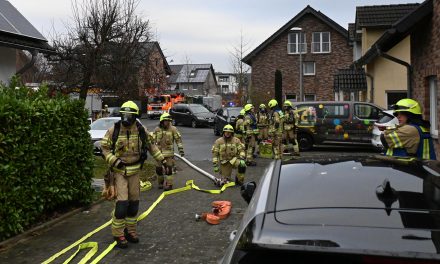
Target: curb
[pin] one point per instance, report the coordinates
(10, 242)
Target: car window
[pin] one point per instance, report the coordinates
(198, 109)
(333, 110)
(385, 118)
(366, 111)
(220, 112)
(103, 124)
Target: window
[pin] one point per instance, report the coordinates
(365, 111)
(223, 79)
(309, 97)
(321, 42)
(192, 74)
(433, 106)
(225, 88)
(309, 68)
(291, 97)
(184, 87)
(394, 96)
(295, 41)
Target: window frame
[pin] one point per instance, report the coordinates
(321, 42)
(356, 110)
(304, 68)
(296, 43)
(314, 97)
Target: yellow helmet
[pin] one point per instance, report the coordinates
(248, 107)
(272, 103)
(408, 105)
(262, 106)
(242, 112)
(129, 107)
(287, 103)
(228, 128)
(165, 116)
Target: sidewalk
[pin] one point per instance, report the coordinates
(169, 234)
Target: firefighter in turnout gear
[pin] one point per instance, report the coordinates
(412, 137)
(239, 129)
(250, 133)
(290, 128)
(276, 128)
(125, 147)
(164, 137)
(263, 123)
(228, 154)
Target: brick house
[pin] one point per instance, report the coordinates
(324, 48)
(422, 25)
(193, 79)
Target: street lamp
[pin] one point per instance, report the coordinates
(301, 89)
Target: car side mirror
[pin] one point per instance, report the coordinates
(247, 190)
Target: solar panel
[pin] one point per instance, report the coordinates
(14, 22)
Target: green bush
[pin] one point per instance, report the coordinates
(46, 158)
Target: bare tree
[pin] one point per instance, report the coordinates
(104, 47)
(239, 68)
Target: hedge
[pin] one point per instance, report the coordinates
(46, 157)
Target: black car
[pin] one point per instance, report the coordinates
(224, 116)
(194, 115)
(341, 210)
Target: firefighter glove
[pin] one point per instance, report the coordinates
(242, 163)
(181, 153)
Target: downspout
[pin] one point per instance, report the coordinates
(29, 64)
(401, 62)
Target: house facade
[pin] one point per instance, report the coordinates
(193, 79)
(227, 83)
(388, 74)
(310, 38)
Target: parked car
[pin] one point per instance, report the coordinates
(373, 209)
(336, 122)
(224, 116)
(386, 121)
(194, 115)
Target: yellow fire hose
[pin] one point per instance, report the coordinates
(94, 245)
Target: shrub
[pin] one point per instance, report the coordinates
(46, 158)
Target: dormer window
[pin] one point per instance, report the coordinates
(192, 74)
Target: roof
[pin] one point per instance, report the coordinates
(307, 10)
(398, 31)
(154, 44)
(381, 15)
(350, 80)
(17, 32)
(183, 73)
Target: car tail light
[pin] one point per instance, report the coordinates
(149, 108)
(385, 260)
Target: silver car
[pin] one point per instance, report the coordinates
(388, 120)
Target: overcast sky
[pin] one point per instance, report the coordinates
(204, 30)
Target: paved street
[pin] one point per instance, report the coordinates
(170, 233)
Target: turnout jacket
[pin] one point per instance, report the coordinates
(164, 138)
(225, 150)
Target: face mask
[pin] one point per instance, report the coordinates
(128, 119)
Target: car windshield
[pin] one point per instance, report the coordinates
(198, 109)
(234, 111)
(103, 124)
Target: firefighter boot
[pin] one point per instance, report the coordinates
(132, 236)
(160, 178)
(121, 242)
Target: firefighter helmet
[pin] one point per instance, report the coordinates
(407, 105)
(287, 103)
(248, 107)
(165, 117)
(129, 107)
(272, 103)
(228, 128)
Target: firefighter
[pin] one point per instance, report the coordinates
(228, 154)
(290, 128)
(125, 147)
(105, 112)
(239, 129)
(262, 123)
(412, 136)
(250, 133)
(164, 137)
(276, 128)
